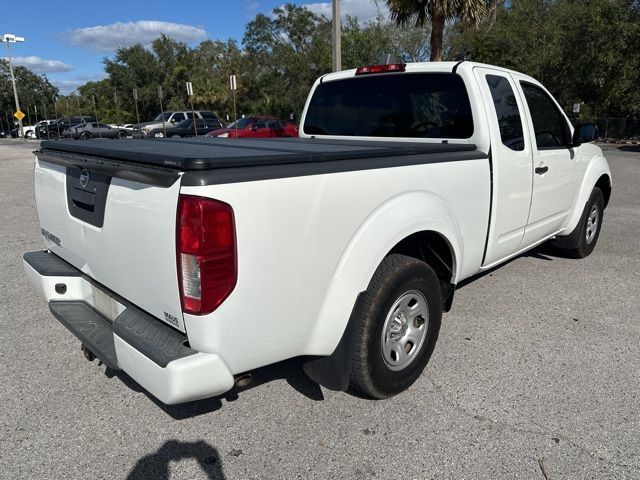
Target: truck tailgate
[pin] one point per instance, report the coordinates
(118, 231)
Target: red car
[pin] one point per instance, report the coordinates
(256, 127)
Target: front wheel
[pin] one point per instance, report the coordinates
(85, 135)
(397, 326)
(581, 242)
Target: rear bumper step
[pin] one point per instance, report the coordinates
(89, 326)
(150, 351)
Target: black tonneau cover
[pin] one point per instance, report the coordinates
(217, 160)
(210, 153)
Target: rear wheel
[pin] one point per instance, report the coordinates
(397, 326)
(581, 242)
(85, 135)
(122, 134)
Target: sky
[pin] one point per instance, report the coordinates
(67, 41)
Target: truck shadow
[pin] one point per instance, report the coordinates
(288, 370)
(541, 252)
(630, 148)
(156, 465)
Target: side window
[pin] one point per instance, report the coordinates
(507, 111)
(190, 115)
(260, 124)
(178, 117)
(548, 122)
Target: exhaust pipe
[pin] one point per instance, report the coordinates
(88, 354)
(243, 380)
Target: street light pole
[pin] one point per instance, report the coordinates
(335, 37)
(9, 38)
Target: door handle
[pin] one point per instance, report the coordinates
(541, 170)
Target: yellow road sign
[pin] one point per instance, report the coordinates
(19, 115)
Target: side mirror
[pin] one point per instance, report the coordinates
(584, 133)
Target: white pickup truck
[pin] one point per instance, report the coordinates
(188, 263)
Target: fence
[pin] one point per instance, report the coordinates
(616, 129)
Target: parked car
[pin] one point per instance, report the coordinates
(29, 131)
(185, 128)
(171, 118)
(58, 126)
(86, 131)
(257, 127)
(188, 264)
(126, 126)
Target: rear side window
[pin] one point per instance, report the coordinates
(507, 111)
(548, 122)
(413, 105)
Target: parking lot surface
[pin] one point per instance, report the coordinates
(536, 375)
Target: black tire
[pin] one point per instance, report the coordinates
(581, 242)
(122, 134)
(85, 135)
(396, 277)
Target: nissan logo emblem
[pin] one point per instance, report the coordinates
(84, 178)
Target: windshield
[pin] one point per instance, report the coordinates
(242, 123)
(411, 105)
(163, 117)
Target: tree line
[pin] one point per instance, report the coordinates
(584, 51)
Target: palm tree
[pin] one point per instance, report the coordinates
(469, 12)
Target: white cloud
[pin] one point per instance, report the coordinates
(39, 65)
(251, 7)
(363, 10)
(68, 86)
(108, 38)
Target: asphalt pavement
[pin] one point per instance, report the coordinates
(536, 375)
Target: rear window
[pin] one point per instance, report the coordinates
(414, 105)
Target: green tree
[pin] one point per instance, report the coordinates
(285, 52)
(438, 12)
(33, 91)
(583, 51)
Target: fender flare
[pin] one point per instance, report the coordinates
(387, 225)
(596, 168)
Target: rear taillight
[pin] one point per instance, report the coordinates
(391, 67)
(206, 251)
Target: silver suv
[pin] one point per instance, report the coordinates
(169, 119)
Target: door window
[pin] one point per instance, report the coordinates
(507, 112)
(177, 117)
(548, 122)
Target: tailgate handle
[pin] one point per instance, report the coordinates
(82, 198)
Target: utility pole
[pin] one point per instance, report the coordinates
(9, 38)
(233, 85)
(336, 48)
(135, 100)
(115, 102)
(193, 115)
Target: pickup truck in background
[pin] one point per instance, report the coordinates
(189, 262)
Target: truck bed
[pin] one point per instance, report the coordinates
(209, 161)
(213, 153)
